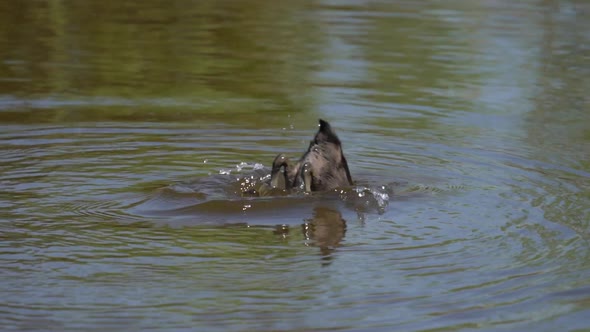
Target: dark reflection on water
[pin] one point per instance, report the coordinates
(326, 229)
(131, 131)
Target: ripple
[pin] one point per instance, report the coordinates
(469, 210)
(113, 209)
(232, 194)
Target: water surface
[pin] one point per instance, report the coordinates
(127, 130)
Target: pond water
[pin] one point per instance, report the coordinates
(127, 130)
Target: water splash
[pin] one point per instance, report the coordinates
(253, 180)
(241, 167)
(245, 190)
(367, 198)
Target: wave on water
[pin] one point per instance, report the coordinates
(245, 190)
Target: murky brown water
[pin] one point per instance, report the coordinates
(126, 129)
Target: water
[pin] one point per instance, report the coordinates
(119, 122)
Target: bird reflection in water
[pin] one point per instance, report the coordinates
(325, 230)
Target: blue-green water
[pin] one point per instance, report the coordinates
(126, 129)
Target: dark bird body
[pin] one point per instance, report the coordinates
(322, 167)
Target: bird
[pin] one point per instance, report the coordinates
(322, 167)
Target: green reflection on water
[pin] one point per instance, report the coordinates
(145, 61)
